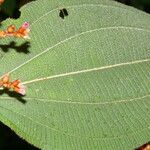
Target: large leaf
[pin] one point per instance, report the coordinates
(87, 76)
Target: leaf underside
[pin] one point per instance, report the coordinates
(87, 76)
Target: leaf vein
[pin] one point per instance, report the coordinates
(78, 6)
(86, 71)
(72, 37)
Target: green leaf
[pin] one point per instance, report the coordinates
(87, 76)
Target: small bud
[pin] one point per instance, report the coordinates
(5, 79)
(16, 85)
(25, 25)
(22, 32)
(11, 29)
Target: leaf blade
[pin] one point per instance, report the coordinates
(78, 106)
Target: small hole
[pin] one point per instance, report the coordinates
(63, 13)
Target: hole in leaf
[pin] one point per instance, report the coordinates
(63, 13)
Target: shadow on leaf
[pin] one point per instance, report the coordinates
(13, 94)
(23, 48)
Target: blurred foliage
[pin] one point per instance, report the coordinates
(6, 7)
(7, 11)
(13, 11)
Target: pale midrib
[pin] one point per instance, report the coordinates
(86, 71)
(72, 37)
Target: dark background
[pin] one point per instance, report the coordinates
(8, 139)
(140, 4)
